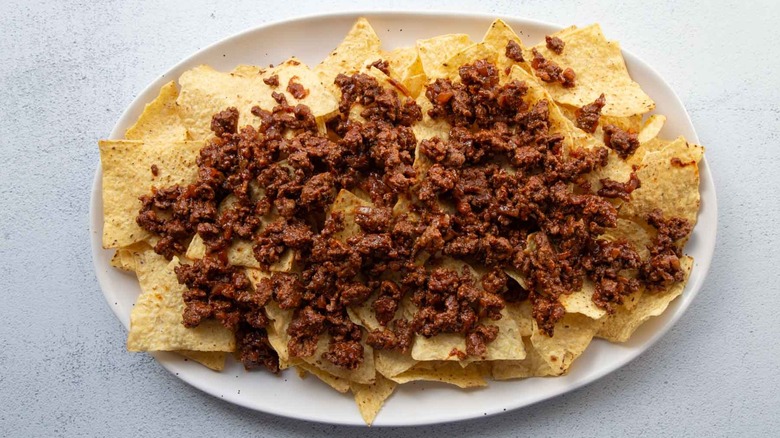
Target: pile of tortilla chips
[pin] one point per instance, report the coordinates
(173, 127)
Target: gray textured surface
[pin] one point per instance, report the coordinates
(69, 69)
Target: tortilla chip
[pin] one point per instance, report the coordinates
(426, 129)
(116, 262)
(277, 330)
(247, 70)
(359, 48)
(205, 91)
(370, 398)
(533, 365)
(497, 37)
(280, 320)
(651, 128)
(334, 382)
(445, 372)
(581, 301)
(124, 258)
(160, 120)
(241, 254)
(127, 175)
(621, 325)
(449, 346)
(450, 68)
(572, 335)
(600, 68)
(635, 233)
(628, 123)
(365, 373)
(670, 182)
(558, 123)
(405, 66)
(156, 320)
(391, 363)
(214, 360)
(521, 313)
(348, 204)
(435, 51)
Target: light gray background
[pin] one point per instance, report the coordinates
(67, 71)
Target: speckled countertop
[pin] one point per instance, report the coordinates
(69, 69)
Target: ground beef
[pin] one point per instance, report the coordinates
(623, 142)
(477, 339)
(381, 65)
(398, 336)
(588, 115)
(548, 71)
(296, 89)
(272, 81)
(663, 268)
(501, 192)
(615, 189)
(554, 43)
(346, 354)
(514, 51)
(606, 262)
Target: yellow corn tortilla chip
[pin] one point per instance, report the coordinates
(405, 66)
(670, 182)
(616, 169)
(205, 91)
(572, 335)
(241, 254)
(127, 175)
(280, 320)
(247, 70)
(117, 262)
(445, 372)
(628, 123)
(370, 398)
(277, 330)
(497, 37)
(241, 251)
(214, 360)
(600, 68)
(125, 257)
(160, 120)
(448, 346)
(348, 204)
(506, 346)
(651, 128)
(365, 373)
(156, 320)
(279, 340)
(621, 325)
(334, 382)
(359, 47)
(450, 68)
(391, 363)
(426, 129)
(633, 232)
(521, 313)
(581, 301)
(558, 123)
(533, 365)
(435, 51)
